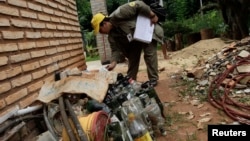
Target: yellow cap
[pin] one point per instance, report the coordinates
(96, 20)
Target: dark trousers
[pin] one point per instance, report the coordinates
(133, 53)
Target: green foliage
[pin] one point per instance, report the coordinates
(90, 38)
(178, 10)
(171, 28)
(84, 14)
(181, 9)
(211, 19)
(113, 4)
(89, 58)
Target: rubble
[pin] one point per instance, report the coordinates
(225, 75)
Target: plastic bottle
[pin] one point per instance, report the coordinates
(154, 114)
(135, 85)
(148, 89)
(137, 129)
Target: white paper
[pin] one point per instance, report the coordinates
(144, 29)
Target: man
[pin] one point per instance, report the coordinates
(119, 26)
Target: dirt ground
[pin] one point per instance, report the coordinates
(181, 115)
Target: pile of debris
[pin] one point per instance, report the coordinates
(226, 75)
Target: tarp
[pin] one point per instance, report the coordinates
(94, 84)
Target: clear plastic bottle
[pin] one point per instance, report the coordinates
(137, 129)
(154, 114)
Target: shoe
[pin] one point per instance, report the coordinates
(153, 83)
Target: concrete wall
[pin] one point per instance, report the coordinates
(37, 38)
(102, 41)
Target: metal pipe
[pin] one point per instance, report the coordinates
(9, 114)
(13, 131)
(48, 124)
(14, 121)
(76, 122)
(69, 129)
(28, 110)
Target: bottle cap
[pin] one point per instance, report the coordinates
(131, 116)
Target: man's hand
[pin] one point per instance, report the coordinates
(111, 66)
(153, 17)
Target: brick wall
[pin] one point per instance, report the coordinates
(102, 41)
(37, 38)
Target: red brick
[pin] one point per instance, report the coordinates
(76, 46)
(72, 23)
(52, 4)
(42, 44)
(52, 68)
(16, 96)
(51, 51)
(60, 49)
(4, 22)
(61, 7)
(63, 63)
(8, 47)
(64, 3)
(69, 47)
(43, 17)
(2, 103)
(77, 52)
(66, 55)
(12, 34)
(68, 28)
(66, 34)
(55, 19)
(39, 53)
(3, 75)
(47, 34)
(50, 26)
(57, 58)
(58, 13)
(20, 23)
(48, 10)
(63, 42)
(60, 27)
(19, 57)
(22, 80)
(54, 42)
(3, 60)
(28, 14)
(49, 78)
(35, 7)
(33, 35)
(73, 60)
(39, 74)
(42, 2)
(64, 20)
(38, 25)
(59, 34)
(46, 61)
(26, 45)
(13, 71)
(28, 100)
(30, 66)
(5, 86)
(18, 3)
(8, 10)
(59, 1)
(35, 86)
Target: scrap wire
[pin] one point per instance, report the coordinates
(224, 102)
